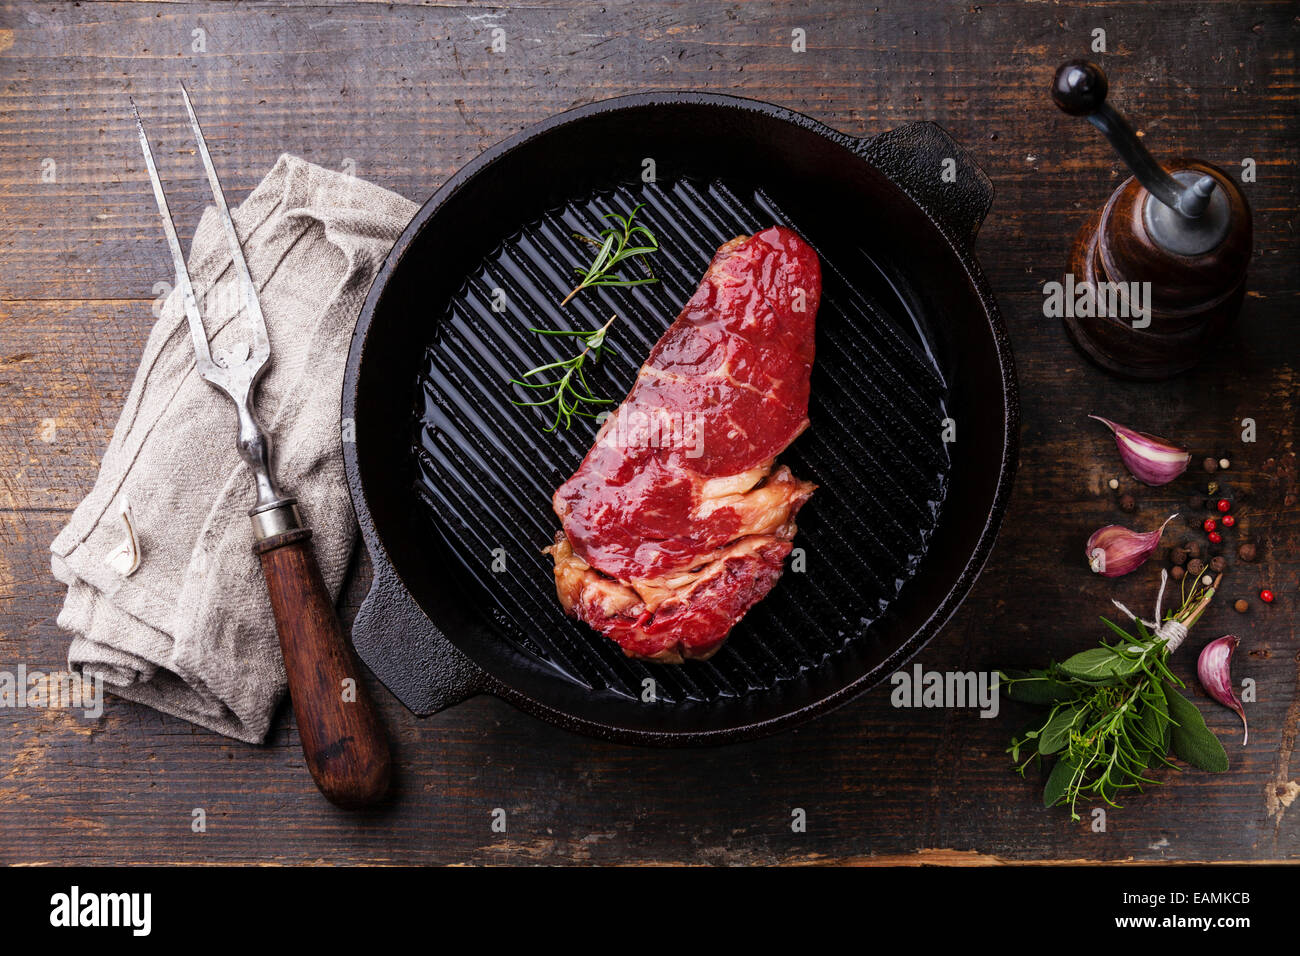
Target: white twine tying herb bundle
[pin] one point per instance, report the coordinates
(1171, 630)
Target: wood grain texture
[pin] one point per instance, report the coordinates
(342, 740)
(406, 94)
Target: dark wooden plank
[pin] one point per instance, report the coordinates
(409, 93)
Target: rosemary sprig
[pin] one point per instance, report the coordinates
(571, 391)
(616, 244)
(1114, 712)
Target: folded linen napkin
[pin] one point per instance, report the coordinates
(190, 631)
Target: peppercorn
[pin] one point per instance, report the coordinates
(1209, 524)
(1218, 563)
(1127, 503)
(1266, 596)
(1223, 504)
(1211, 465)
(1195, 566)
(1113, 484)
(1228, 521)
(1246, 552)
(1241, 607)
(1215, 537)
(1177, 572)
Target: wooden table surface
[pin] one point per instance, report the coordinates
(406, 94)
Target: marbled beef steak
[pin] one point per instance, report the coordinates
(679, 520)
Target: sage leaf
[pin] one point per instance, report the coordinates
(1154, 728)
(1058, 780)
(1056, 732)
(1152, 721)
(1099, 664)
(1192, 740)
(1036, 687)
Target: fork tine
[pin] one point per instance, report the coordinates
(261, 349)
(198, 335)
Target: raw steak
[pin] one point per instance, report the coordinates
(678, 520)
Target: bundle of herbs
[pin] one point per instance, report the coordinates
(1114, 713)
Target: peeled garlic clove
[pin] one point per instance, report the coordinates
(1114, 550)
(1151, 460)
(1213, 668)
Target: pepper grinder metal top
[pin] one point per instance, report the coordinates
(1183, 227)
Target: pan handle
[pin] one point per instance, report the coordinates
(937, 173)
(407, 651)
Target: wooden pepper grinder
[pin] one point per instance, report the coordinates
(1183, 226)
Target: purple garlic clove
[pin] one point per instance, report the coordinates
(1213, 667)
(1151, 460)
(1114, 550)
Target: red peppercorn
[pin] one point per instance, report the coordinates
(1214, 537)
(1223, 504)
(1266, 596)
(1209, 524)
(1229, 521)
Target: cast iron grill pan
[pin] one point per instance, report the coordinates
(446, 475)
(484, 469)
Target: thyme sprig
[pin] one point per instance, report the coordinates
(1114, 713)
(570, 391)
(616, 244)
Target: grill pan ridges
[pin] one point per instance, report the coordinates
(485, 470)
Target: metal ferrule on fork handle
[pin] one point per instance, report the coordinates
(276, 518)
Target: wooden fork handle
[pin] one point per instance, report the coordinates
(342, 739)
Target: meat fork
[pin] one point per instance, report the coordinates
(342, 739)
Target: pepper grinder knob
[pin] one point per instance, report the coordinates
(1080, 87)
(1176, 238)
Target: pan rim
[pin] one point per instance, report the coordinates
(971, 273)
